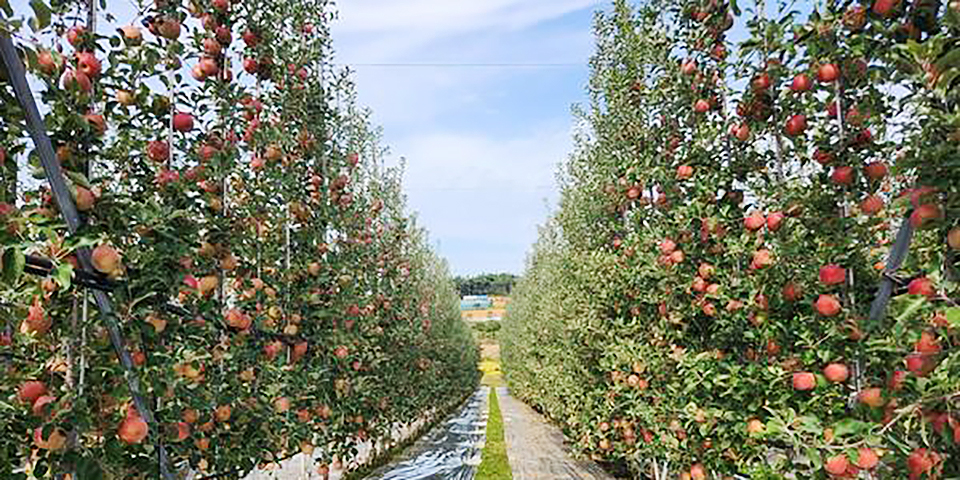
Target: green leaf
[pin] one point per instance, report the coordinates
(89, 469)
(42, 13)
(814, 456)
(63, 275)
(5, 6)
(953, 316)
(78, 178)
(13, 263)
(849, 426)
(911, 309)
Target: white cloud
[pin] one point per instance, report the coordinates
(482, 144)
(483, 197)
(441, 17)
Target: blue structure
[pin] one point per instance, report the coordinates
(475, 302)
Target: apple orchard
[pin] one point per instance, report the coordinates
(753, 269)
(268, 294)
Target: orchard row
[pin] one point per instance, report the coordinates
(709, 299)
(272, 292)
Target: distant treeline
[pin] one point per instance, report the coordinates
(486, 284)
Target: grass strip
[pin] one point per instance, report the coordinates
(495, 465)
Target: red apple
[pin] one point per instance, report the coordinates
(183, 431)
(836, 373)
(133, 429)
(920, 462)
(197, 73)
(742, 132)
(88, 64)
(872, 205)
(884, 7)
(827, 305)
(832, 275)
(47, 63)
(928, 344)
(876, 170)
(867, 459)
(76, 79)
(823, 157)
(667, 246)
(896, 380)
(281, 405)
(872, 397)
(701, 106)
(774, 221)
(31, 390)
(684, 172)
(209, 66)
(755, 221)
(796, 125)
(953, 238)
(761, 82)
(84, 199)
(922, 286)
(804, 381)
(105, 259)
(791, 292)
(761, 259)
(698, 472)
(837, 465)
(801, 83)
(212, 47)
(235, 318)
(75, 34)
(224, 35)
(925, 215)
(221, 5)
(250, 65)
(272, 349)
(842, 176)
(158, 151)
(827, 73)
(96, 122)
(251, 38)
(182, 122)
(168, 28)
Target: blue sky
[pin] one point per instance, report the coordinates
(482, 143)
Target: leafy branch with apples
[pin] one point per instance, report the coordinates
(753, 268)
(272, 293)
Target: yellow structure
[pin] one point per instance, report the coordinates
(490, 308)
(483, 315)
(499, 302)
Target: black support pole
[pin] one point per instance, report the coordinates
(64, 200)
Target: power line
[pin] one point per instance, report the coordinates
(462, 65)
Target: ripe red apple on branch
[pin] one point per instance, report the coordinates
(828, 73)
(801, 83)
(836, 373)
(796, 125)
(832, 275)
(133, 429)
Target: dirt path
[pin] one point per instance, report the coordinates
(536, 449)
